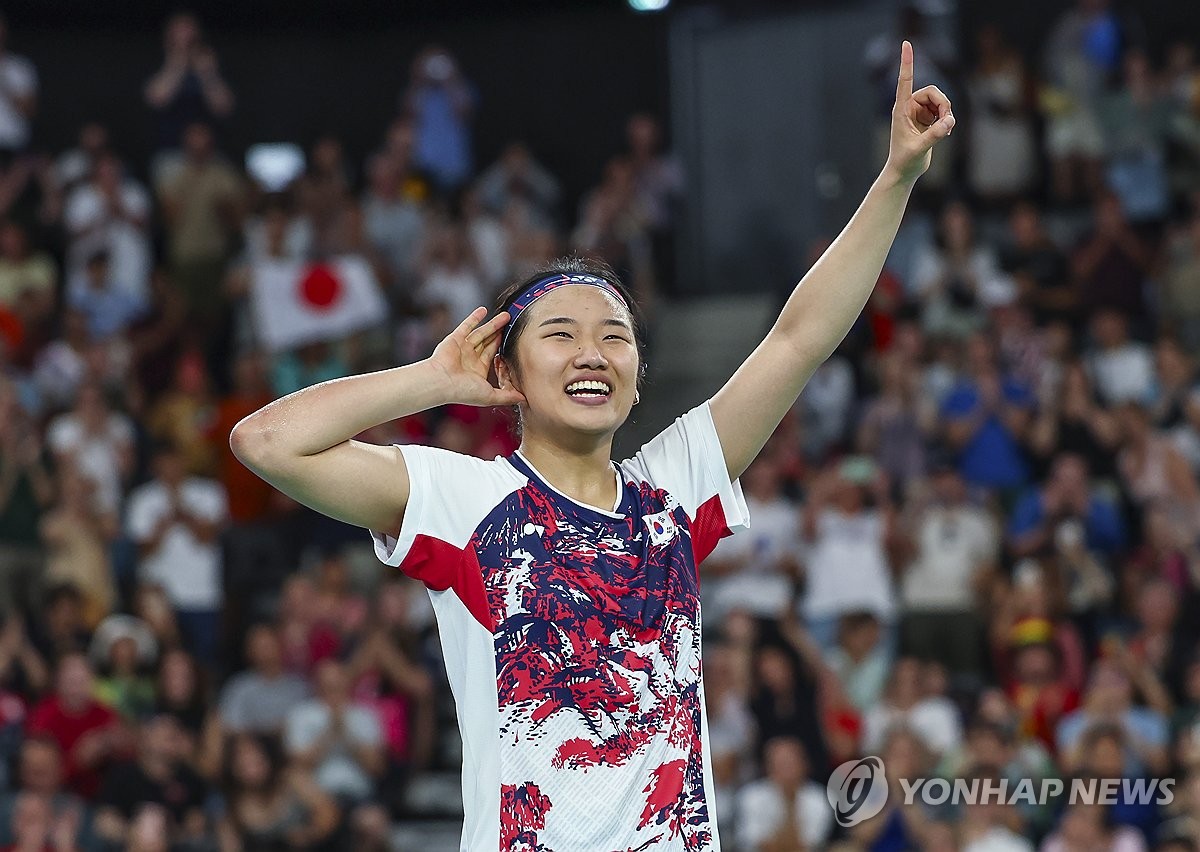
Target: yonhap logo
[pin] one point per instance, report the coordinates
(857, 790)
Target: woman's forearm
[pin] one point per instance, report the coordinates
(314, 419)
(832, 294)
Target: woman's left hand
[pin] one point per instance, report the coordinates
(920, 120)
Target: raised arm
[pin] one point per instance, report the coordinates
(303, 443)
(830, 297)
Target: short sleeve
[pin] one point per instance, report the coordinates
(686, 461)
(448, 495)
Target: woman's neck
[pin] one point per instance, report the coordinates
(585, 476)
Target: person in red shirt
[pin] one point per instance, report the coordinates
(89, 733)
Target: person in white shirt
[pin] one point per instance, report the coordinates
(176, 520)
(18, 95)
(98, 441)
(933, 718)
(110, 212)
(955, 545)
(754, 571)
(1121, 369)
(339, 740)
(847, 569)
(786, 808)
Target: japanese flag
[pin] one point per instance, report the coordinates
(294, 302)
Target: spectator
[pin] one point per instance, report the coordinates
(175, 520)
(18, 96)
(28, 278)
(958, 278)
(98, 442)
(1135, 120)
(269, 805)
(323, 195)
(1109, 700)
(783, 701)
(395, 223)
(104, 301)
(1154, 471)
(36, 828)
(1089, 827)
(992, 825)
(259, 700)
(956, 550)
(785, 809)
(182, 416)
(75, 165)
(78, 536)
(1110, 264)
(904, 705)
(89, 733)
(340, 742)
(1039, 268)
(988, 416)
(1082, 50)
(755, 572)
(40, 775)
(1074, 421)
(157, 775)
(440, 102)
(123, 650)
(1122, 369)
(517, 178)
(111, 213)
(899, 422)
(1003, 157)
(847, 569)
(249, 496)
(861, 660)
(202, 206)
(1067, 497)
(450, 273)
(187, 89)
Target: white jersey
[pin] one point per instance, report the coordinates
(571, 637)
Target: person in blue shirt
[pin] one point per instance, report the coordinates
(1066, 496)
(987, 417)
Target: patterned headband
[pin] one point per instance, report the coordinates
(544, 285)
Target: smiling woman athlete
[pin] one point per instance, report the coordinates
(565, 585)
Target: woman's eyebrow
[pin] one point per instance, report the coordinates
(570, 321)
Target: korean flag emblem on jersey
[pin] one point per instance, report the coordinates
(661, 527)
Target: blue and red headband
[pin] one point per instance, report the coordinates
(544, 285)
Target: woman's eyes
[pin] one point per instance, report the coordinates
(567, 335)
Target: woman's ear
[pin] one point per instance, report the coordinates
(504, 374)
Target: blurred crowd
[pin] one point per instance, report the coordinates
(975, 548)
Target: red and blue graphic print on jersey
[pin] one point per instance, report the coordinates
(572, 641)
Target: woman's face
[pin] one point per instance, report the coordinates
(574, 334)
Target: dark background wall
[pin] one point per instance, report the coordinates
(563, 78)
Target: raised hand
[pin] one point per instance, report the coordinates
(920, 120)
(466, 357)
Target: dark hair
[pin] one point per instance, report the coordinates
(272, 750)
(572, 265)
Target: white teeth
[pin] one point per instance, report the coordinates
(597, 387)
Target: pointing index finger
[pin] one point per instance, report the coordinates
(904, 85)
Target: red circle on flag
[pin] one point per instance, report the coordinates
(320, 288)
